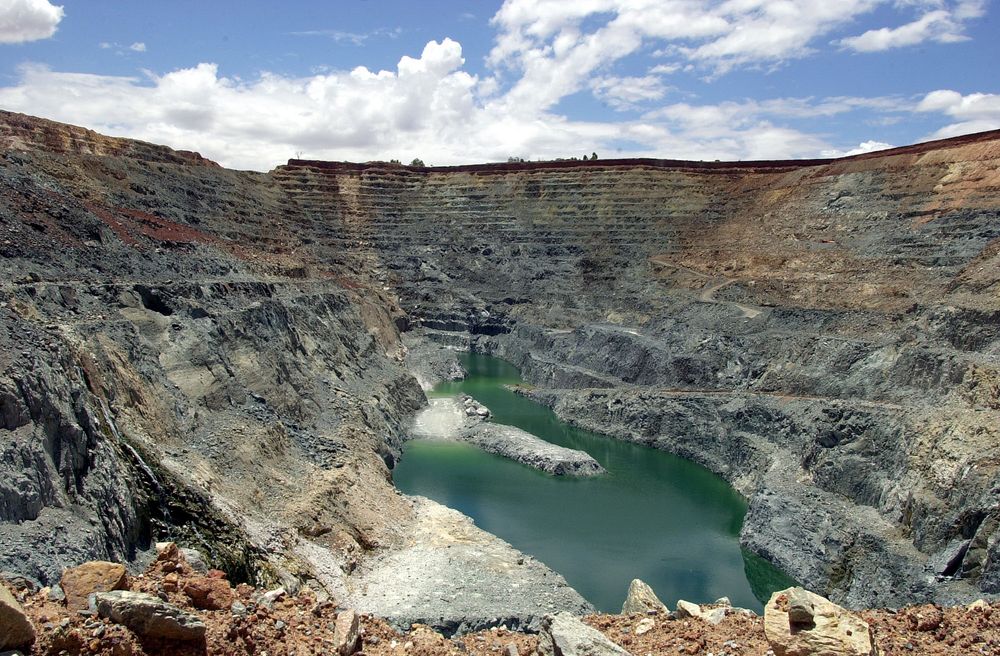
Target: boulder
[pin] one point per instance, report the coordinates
(819, 627)
(15, 627)
(150, 616)
(641, 599)
(80, 582)
(346, 632)
(563, 634)
(208, 593)
(688, 609)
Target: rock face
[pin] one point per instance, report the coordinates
(564, 635)
(641, 599)
(800, 623)
(150, 616)
(15, 627)
(823, 334)
(78, 583)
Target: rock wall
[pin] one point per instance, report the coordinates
(179, 361)
(824, 334)
(211, 354)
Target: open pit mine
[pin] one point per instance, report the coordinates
(232, 361)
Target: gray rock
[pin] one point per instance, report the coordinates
(150, 616)
(563, 634)
(195, 559)
(20, 582)
(56, 593)
(800, 606)
(346, 632)
(16, 630)
(510, 650)
(522, 446)
(641, 599)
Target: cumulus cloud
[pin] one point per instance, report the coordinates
(942, 25)
(975, 112)
(138, 46)
(427, 107)
(28, 20)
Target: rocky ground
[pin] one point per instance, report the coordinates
(200, 612)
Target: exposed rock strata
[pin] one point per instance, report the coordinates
(215, 356)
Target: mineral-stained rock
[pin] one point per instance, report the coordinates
(80, 582)
(832, 631)
(563, 634)
(150, 616)
(15, 628)
(641, 599)
(209, 593)
(345, 632)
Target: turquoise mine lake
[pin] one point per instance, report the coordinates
(653, 516)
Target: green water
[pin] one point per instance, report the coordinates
(653, 516)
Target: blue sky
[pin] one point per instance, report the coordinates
(251, 84)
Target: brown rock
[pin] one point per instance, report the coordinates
(15, 628)
(832, 631)
(209, 593)
(171, 582)
(96, 576)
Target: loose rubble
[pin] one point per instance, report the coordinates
(157, 616)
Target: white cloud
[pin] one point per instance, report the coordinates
(975, 112)
(860, 149)
(623, 93)
(28, 20)
(428, 107)
(138, 46)
(943, 24)
(352, 38)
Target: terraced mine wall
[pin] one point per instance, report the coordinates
(823, 334)
(220, 357)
